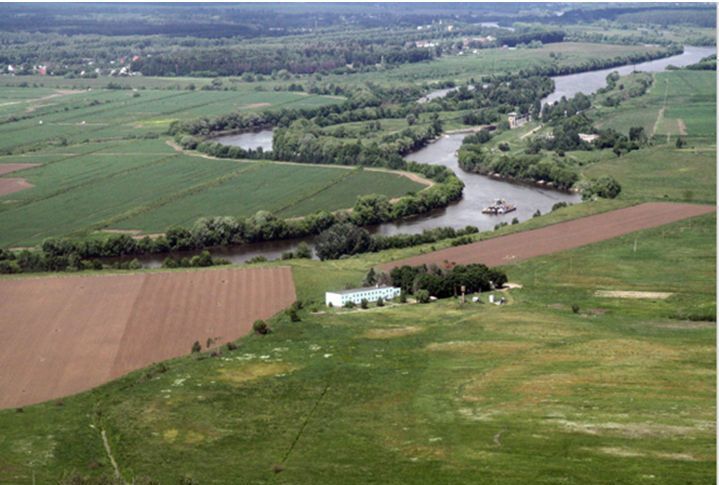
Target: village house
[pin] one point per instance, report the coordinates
(516, 120)
(356, 295)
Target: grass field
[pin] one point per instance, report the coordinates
(102, 114)
(148, 186)
(679, 103)
(489, 61)
(529, 392)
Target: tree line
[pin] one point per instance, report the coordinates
(446, 282)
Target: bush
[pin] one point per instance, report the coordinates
(559, 205)
(231, 346)
(364, 304)
(575, 308)
(422, 296)
(260, 327)
(350, 304)
(303, 251)
(403, 297)
(606, 187)
(380, 302)
(537, 213)
(294, 316)
(196, 347)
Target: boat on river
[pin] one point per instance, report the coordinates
(499, 207)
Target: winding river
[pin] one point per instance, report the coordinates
(479, 190)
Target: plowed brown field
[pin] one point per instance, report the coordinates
(9, 186)
(6, 168)
(63, 335)
(559, 237)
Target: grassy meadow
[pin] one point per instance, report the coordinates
(679, 104)
(145, 185)
(618, 391)
(76, 116)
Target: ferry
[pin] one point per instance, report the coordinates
(499, 207)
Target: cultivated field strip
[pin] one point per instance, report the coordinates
(559, 237)
(69, 334)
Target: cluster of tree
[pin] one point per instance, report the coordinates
(305, 58)
(605, 187)
(497, 94)
(566, 107)
(525, 167)
(447, 282)
(304, 142)
(545, 36)
(706, 64)
(346, 239)
(668, 14)
(616, 91)
(202, 260)
(593, 64)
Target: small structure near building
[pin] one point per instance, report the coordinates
(516, 120)
(587, 137)
(356, 295)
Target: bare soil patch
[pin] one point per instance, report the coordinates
(256, 105)
(6, 168)
(64, 335)
(12, 185)
(559, 237)
(681, 126)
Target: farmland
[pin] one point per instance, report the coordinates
(542, 392)
(146, 309)
(678, 103)
(146, 185)
(76, 116)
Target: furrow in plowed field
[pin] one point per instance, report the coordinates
(559, 237)
(69, 334)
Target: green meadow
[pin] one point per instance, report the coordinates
(560, 385)
(73, 117)
(145, 185)
(679, 103)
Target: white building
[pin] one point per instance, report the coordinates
(356, 295)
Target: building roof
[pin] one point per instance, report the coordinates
(357, 290)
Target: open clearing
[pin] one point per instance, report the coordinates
(67, 334)
(530, 392)
(559, 237)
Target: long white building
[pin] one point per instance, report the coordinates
(356, 295)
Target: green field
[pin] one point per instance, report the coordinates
(530, 392)
(146, 185)
(491, 61)
(678, 103)
(111, 114)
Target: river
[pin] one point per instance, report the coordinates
(479, 191)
